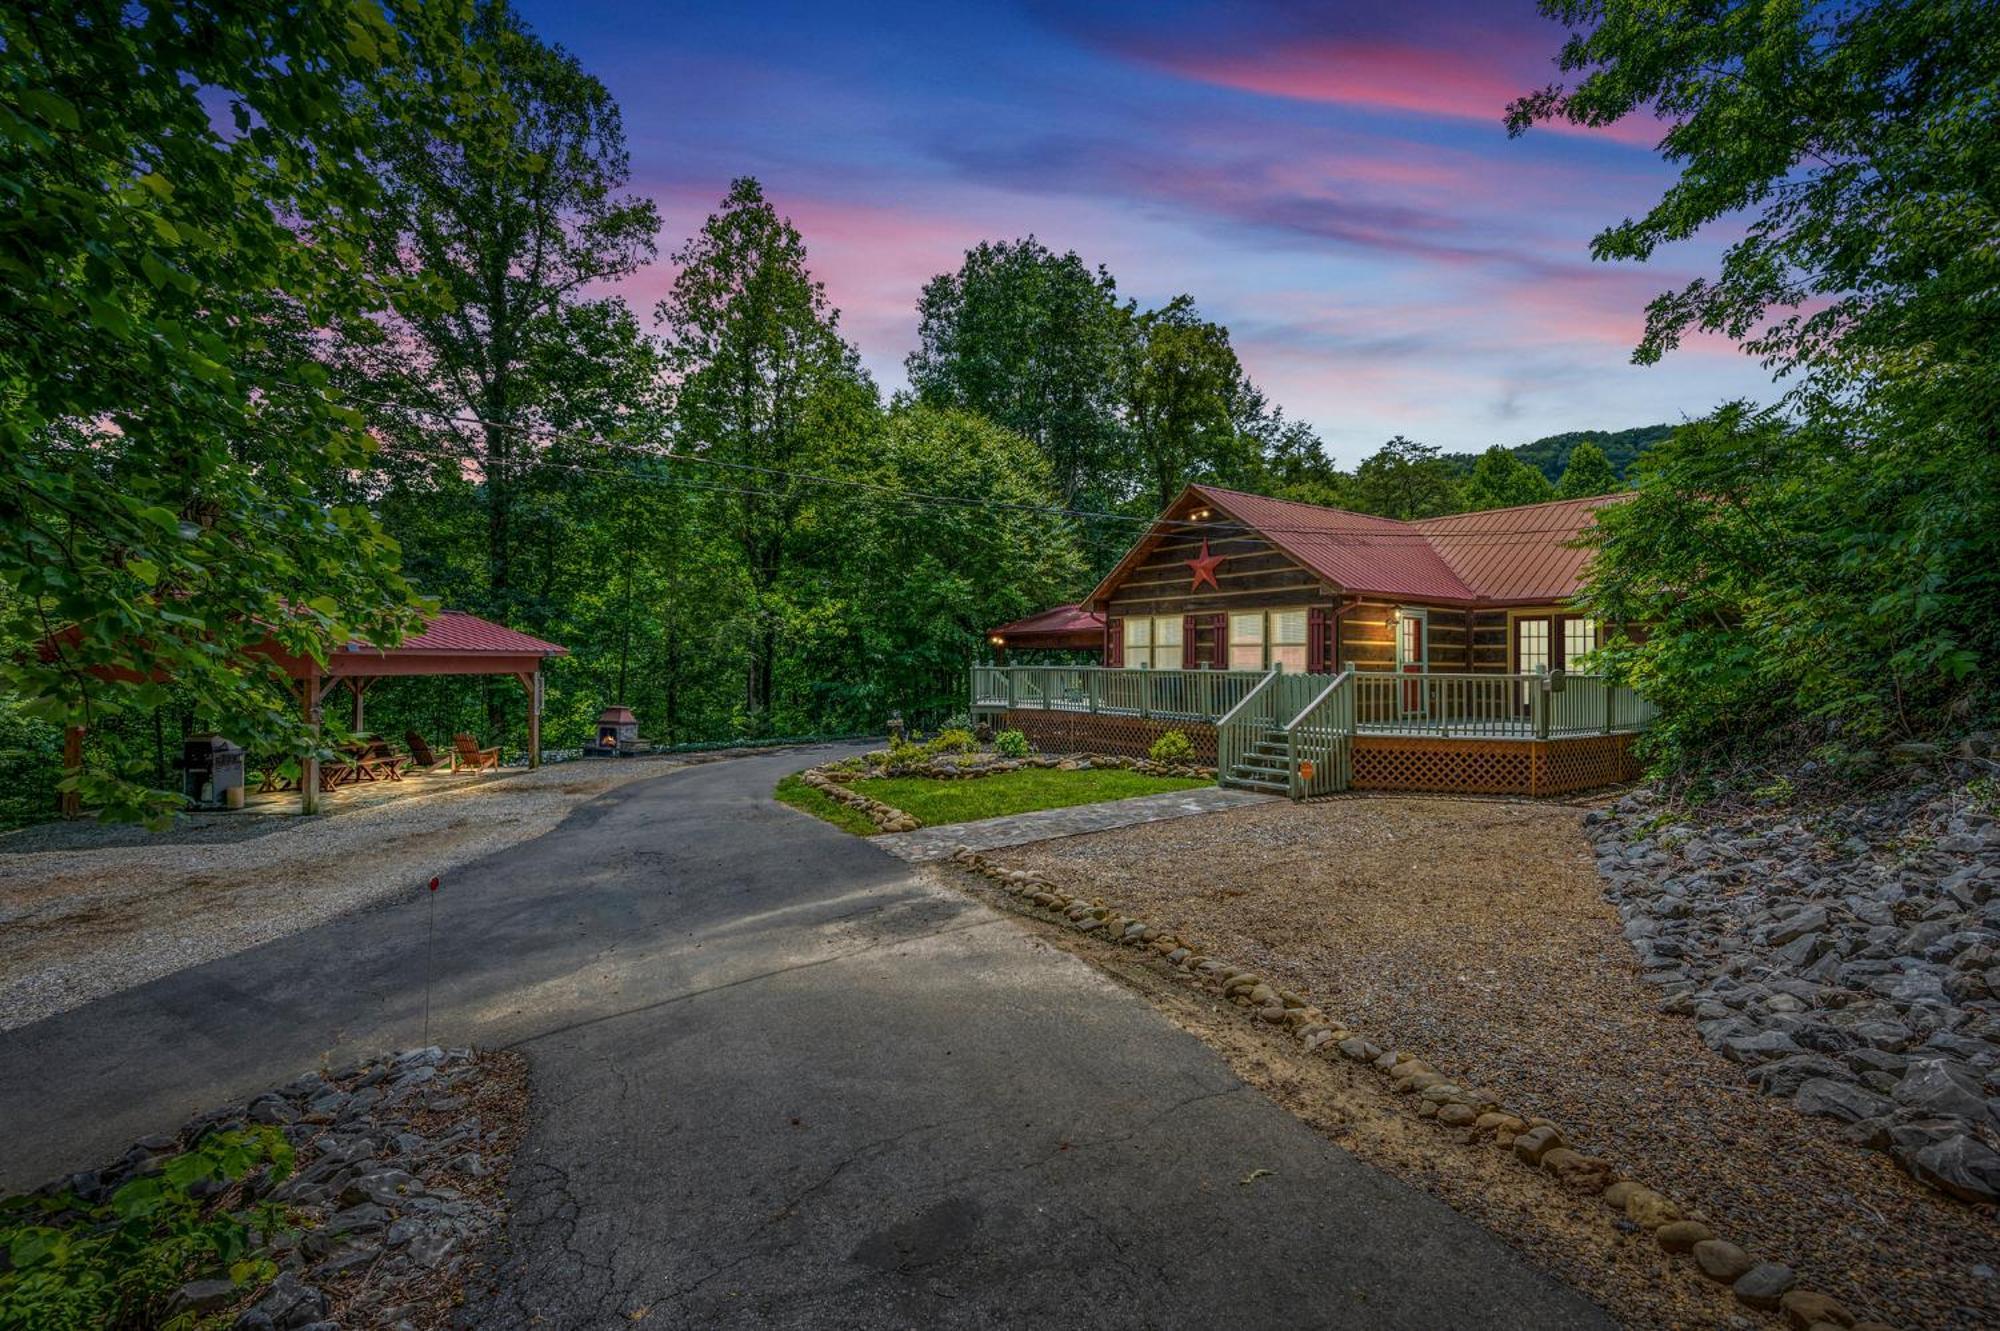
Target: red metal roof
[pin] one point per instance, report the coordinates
(1056, 619)
(1504, 555)
(457, 631)
(1527, 553)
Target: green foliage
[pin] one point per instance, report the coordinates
(766, 385)
(499, 211)
(952, 741)
(1031, 340)
(1588, 472)
(77, 1266)
(933, 801)
(1550, 454)
(1010, 744)
(1183, 393)
(1172, 747)
(1501, 480)
(1834, 563)
(1406, 480)
(186, 190)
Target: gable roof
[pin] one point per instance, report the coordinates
(1056, 619)
(1498, 556)
(459, 631)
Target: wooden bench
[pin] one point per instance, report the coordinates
(466, 753)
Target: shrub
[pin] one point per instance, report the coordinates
(1172, 747)
(119, 1262)
(952, 741)
(1010, 744)
(900, 753)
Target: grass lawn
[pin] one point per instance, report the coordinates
(805, 799)
(935, 802)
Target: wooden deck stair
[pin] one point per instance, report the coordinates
(1262, 766)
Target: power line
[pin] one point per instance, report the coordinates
(1189, 526)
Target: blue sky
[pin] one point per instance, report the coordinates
(1332, 182)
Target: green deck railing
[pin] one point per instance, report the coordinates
(1317, 717)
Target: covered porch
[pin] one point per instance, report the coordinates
(451, 642)
(1301, 734)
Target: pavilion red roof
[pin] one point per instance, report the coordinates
(1056, 619)
(457, 631)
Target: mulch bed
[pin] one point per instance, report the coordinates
(1475, 934)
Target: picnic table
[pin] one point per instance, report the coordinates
(369, 758)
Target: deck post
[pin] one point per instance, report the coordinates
(309, 697)
(70, 802)
(532, 682)
(1090, 688)
(1009, 672)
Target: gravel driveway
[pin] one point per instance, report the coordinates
(87, 909)
(1476, 934)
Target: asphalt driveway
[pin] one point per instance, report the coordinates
(781, 1082)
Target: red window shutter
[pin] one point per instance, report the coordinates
(1189, 660)
(1219, 625)
(1114, 642)
(1316, 640)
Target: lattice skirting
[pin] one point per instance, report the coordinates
(1492, 767)
(1089, 732)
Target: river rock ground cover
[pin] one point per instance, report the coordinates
(398, 1182)
(1478, 935)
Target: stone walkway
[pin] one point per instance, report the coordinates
(1018, 829)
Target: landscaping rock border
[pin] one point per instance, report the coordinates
(1848, 957)
(834, 779)
(1536, 1143)
(400, 1174)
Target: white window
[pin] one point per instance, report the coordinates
(1579, 640)
(1246, 642)
(1288, 640)
(1139, 644)
(1167, 644)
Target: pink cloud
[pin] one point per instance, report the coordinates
(1383, 76)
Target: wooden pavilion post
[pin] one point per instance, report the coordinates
(532, 682)
(309, 694)
(70, 802)
(358, 684)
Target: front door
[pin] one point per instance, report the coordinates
(1412, 658)
(1532, 642)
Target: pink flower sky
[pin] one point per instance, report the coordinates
(1333, 182)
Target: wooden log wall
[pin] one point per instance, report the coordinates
(1256, 575)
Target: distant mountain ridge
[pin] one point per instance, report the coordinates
(1550, 454)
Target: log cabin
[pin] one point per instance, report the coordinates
(1263, 627)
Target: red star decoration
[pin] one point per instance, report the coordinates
(1204, 568)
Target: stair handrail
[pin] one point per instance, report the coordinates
(1227, 754)
(1245, 700)
(1324, 693)
(1295, 782)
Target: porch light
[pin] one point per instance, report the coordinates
(997, 640)
(1200, 515)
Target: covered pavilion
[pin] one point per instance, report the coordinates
(1064, 628)
(450, 642)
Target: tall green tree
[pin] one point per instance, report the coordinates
(1588, 472)
(1407, 480)
(1854, 147)
(1184, 396)
(185, 194)
(940, 575)
(1501, 480)
(766, 388)
(1032, 340)
(508, 212)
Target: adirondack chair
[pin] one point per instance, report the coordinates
(420, 749)
(467, 753)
